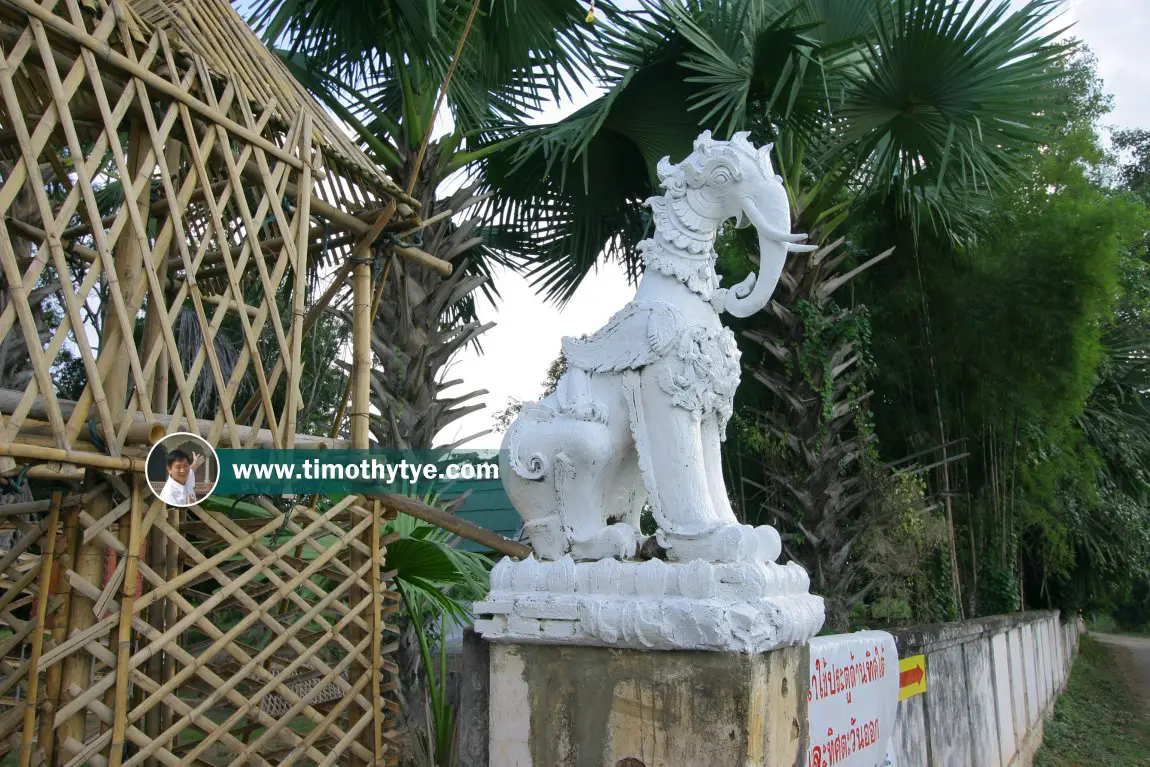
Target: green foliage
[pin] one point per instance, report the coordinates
(900, 540)
(1028, 344)
(825, 330)
(433, 575)
(1134, 174)
(436, 581)
(924, 102)
(517, 52)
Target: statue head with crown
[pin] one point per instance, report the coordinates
(718, 181)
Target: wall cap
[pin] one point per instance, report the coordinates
(937, 636)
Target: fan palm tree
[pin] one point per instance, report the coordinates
(928, 102)
(380, 66)
(920, 107)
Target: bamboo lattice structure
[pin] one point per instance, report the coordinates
(159, 166)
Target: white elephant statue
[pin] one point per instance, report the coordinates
(642, 409)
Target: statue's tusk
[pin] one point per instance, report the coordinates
(766, 230)
(793, 248)
(775, 234)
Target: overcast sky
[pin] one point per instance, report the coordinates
(526, 339)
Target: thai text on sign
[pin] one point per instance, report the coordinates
(853, 697)
(831, 678)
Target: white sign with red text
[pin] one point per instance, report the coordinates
(853, 699)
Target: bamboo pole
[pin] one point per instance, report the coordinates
(360, 423)
(10, 398)
(358, 254)
(452, 523)
(124, 639)
(46, 561)
(361, 356)
(93, 460)
(38, 507)
(377, 629)
(303, 222)
(159, 548)
(139, 433)
(55, 472)
(59, 625)
(76, 666)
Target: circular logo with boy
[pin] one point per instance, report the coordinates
(182, 469)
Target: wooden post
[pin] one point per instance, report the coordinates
(361, 356)
(360, 422)
(299, 310)
(65, 562)
(376, 624)
(123, 644)
(48, 550)
(161, 552)
(128, 258)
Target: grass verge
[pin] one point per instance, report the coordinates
(1098, 720)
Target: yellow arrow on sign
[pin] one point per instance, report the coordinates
(911, 676)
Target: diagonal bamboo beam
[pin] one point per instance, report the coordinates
(452, 524)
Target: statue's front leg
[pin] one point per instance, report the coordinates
(770, 544)
(671, 452)
(670, 441)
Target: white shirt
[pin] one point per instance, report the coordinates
(177, 494)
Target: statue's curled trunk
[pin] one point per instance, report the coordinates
(752, 294)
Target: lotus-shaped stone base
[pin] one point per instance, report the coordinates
(653, 605)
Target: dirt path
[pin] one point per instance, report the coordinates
(1134, 654)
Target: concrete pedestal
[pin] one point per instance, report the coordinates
(556, 706)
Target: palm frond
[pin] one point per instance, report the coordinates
(517, 52)
(926, 100)
(946, 98)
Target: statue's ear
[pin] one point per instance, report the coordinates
(764, 158)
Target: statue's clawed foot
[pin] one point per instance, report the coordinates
(727, 543)
(617, 541)
(551, 540)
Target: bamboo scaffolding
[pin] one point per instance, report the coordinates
(231, 177)
(141, 428)
(153, 81)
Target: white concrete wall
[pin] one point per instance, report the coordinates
(991, 683)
